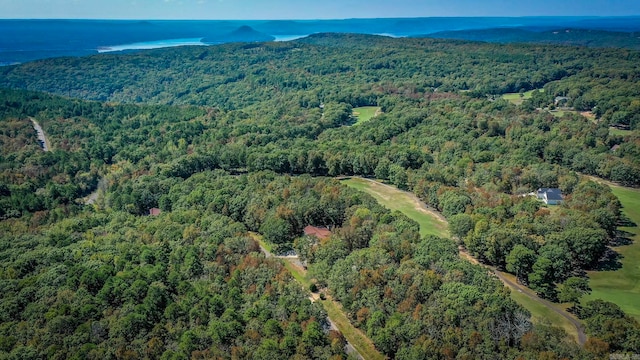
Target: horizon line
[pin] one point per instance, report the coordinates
(329, 19)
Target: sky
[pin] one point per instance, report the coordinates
(306, 9)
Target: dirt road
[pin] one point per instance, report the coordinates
(582, 337)
(419, 204)
(295, 262)
(44, 142)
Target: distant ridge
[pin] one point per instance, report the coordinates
(28, 40)
(564, 36)
(242, 34)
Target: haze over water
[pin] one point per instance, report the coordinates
(28, 40)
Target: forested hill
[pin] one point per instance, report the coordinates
(238, 137)
(354, 69)
(558, 36)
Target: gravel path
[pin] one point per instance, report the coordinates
(295, 261)
(41, 136)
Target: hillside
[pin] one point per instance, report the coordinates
(243, 137)
(562, 36)
(236, 76)
(242, 34)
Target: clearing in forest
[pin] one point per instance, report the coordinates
(517, 98)
(621, 132)
(543, 311)
(432, 222)
(365, 113)
(622, 284)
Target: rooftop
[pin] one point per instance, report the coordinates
(319, 232)
(552, 193)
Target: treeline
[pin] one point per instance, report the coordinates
(186, 284)
(191, 283)
(262, 111)
(355, 69)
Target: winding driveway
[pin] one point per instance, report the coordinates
(295, 262)
(582, 337)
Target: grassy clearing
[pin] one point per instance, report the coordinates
(297, 274)
(365, 113)
(561, 113)
(558, 113)
(394, 199)
(615, 131)
(516, 99)
(622, 286)
(355, 337)
(258, 237)
(540, 314)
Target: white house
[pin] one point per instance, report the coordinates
(550, 196)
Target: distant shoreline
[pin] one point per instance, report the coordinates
(148, 45)
(34, 39)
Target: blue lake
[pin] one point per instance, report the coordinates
(146, 45)
(28, 40)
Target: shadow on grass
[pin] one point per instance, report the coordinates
(610, 261)
(350, 122)
(622, 238)
(625, 221)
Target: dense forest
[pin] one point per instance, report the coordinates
(245, 137)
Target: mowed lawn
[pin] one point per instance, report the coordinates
(622, 286)
(365, 113)
(516, 99)
(614, 131)
(541, 314)
(394, 199)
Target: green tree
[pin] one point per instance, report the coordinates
(573, 289)
(398, 176)
(460, 225)
(520, 261)
(541, 278)
(276, 230)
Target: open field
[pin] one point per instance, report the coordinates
(430, 222)
(615, 131)
(516, 99)
(622, 286)
(365, 113)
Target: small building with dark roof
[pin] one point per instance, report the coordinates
(550, 196)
